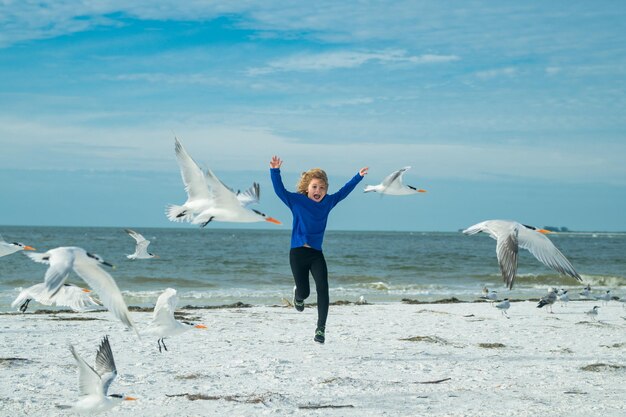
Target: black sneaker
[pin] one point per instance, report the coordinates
(320, 336)
(298, 304)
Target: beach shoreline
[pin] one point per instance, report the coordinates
(395, 359)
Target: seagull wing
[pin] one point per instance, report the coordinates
(105, 364)
(250, 196)
(142, 242)
(104, 284)
(89, 382)
(505, 232)
(394, 180)
(60, 261)
(222, 195)
(24, 295)
(507, 251)
(193, 177)
(76, 298)
(544, 250)
(165, 307)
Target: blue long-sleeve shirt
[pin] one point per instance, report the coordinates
(309, 217)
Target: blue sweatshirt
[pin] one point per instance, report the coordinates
(309, 217)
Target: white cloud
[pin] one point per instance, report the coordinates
(346, 59)
(239, 148)
(495, 73)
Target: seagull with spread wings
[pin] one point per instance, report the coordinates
(511, 236)
(94, 383)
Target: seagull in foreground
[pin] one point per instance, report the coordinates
(94, 383)
(593, 313)
(392, 185)
(548, 299)
(87, 265)
(511, 236)
(209, 199)
(76, 298)
(504, 306)
(141, 249)
(7, 248)
(163, 322)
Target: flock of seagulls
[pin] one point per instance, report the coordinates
(209, 199)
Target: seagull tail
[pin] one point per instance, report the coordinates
(369, 189)
(178, 213)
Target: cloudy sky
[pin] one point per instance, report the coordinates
(504, 109)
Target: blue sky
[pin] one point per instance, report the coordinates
(512, 110)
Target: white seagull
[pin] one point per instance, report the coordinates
(504, 306)
(209, 199)
(76, 298)
(63, 259)
(163, 322)
(593, 313)
(141, 248)
(511, 236)
(563, 297)
(606, 297)
(586, 292)
(392, 185)
(7, 248)
(94, 383)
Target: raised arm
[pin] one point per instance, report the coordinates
(277, 181)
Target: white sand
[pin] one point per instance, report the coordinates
(263, 361)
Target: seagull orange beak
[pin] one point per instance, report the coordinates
(544, 231)
(200, 326)
(130, 399)
(29, 248)
(272, 220)
(421, 191)
(86, 290)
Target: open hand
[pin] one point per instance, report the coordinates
(275, 162)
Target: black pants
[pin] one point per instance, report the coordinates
(303, 260)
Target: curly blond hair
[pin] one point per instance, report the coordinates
(307, 176)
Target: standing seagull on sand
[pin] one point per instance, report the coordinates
(76, 298)
(504, 306)
(209, 199)
(7, 248)
(511, 236)
(94, 383)
(548, 299)
(141, 248)
(63, 259)
(163, 322)
(392, 185)
(593, 313)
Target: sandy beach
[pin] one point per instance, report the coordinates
(395, 359)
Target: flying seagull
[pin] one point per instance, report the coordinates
(511, 236)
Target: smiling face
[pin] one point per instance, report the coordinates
(316, 190)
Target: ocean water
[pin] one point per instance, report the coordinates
(210, 267)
